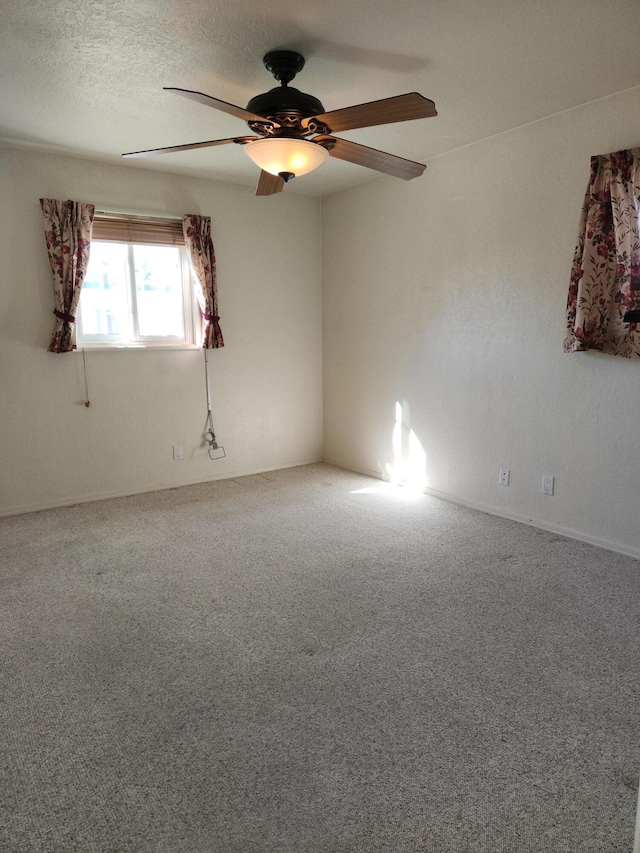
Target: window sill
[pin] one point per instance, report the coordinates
(119, 347)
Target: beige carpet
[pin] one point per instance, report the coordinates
(307, 660)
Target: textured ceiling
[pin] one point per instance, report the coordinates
(86, 76)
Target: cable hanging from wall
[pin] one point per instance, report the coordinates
(216, 451)
(87, 401)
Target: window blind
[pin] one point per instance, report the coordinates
(117, 228)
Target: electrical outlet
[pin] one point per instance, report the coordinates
(547, 484)
(503, 479)
(177, 451)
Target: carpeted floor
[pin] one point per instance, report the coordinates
(308, 660)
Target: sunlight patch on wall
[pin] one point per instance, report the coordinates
(409, 467)
(407, 476)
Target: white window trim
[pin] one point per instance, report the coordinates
(191, 308)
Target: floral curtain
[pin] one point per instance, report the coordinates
(197, 236)
(67, 229)
(605, 277)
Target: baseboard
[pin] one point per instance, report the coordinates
(338, 463)
(599, 542)
(173, 484)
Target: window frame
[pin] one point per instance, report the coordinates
(128, 231)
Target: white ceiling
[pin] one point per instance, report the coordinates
(86, 76)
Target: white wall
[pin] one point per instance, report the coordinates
(266, 382)
(446, 295)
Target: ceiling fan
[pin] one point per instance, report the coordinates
(294, 134)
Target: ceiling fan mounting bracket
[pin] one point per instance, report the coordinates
(289, 124)
(313, 126)
(327, 142)
(262, 128)
(283, 64)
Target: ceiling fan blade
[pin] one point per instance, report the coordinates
(385, 111)
(269, 184)
(390, 164)
(241, 140)
(217, 104)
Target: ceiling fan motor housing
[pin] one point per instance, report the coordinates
(284, 103)
(287, 105)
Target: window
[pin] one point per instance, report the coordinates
(138, 290)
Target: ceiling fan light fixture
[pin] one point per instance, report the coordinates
(285, 155)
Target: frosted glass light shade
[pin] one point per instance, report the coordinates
(297, 156)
